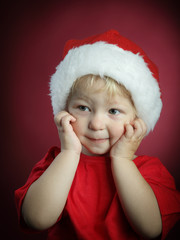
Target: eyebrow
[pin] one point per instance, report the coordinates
(83, 97)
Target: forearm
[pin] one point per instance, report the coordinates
(47, 196)
(137, 198)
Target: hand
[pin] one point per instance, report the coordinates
(68, 138)
(129, 142)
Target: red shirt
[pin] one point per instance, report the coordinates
(93, 209)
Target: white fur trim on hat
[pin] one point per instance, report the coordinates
(109, 60)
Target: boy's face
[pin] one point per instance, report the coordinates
(99, 120)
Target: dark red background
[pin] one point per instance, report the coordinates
(33, 34)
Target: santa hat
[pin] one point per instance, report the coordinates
(110, 54)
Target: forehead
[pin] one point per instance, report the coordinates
(90, 83)
(95, 95)
(94, 84)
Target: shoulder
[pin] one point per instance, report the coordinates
(52, 153)
(152, 168)
(148, 162)
(46, 160)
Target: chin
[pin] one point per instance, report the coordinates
(94, 152)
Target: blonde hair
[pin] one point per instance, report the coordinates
(111, 86)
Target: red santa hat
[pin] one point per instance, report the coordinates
(110, 54)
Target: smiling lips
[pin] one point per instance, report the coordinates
(99, 140)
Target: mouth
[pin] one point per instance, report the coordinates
(98, 140)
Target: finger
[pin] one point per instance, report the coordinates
(66, 122)
(129, 131)
(139, 128)
(144, 127)
(59, 116)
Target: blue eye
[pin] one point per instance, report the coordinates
(84, 108)
(114, 111)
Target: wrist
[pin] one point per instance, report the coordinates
(71, 148)
(121, 158)
(71, 153)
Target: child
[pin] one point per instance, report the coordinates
(105, 96)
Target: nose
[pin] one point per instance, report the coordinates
(97, 122)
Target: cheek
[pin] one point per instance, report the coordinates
(116, 132)
(77, 124)
(78, 127)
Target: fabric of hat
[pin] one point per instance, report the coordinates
(110, 54)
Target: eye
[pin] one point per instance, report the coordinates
(114, 111)
(84, 108)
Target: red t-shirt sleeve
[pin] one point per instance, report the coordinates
(36, 172)
(163, 186)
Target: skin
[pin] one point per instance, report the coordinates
(95, 126)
